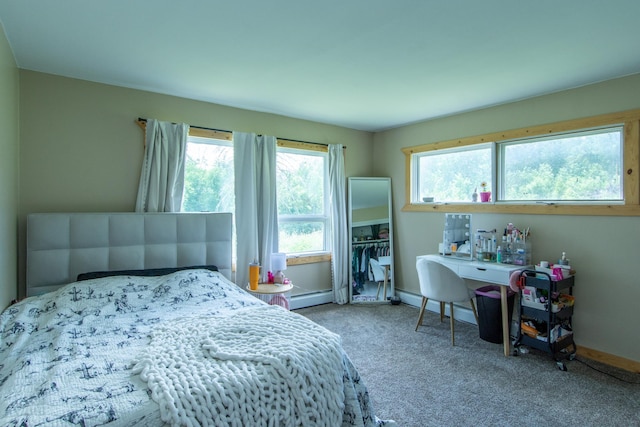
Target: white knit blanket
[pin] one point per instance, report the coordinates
(261, 366)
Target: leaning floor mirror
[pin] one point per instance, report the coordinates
(371, 237)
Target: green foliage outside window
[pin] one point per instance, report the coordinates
(578, 166)
(209, 187)
(301, 201)
(209, 180)
(581, 167)
(453, 176)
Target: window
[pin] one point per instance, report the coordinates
(587, 166)
(208, 176)
(303, 219)
(302, 177)
(583, 166)
(208, 179)
(580, 166)
(452, 175)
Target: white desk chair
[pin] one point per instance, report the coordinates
(440, 283)
(380, 270)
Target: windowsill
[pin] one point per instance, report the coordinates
(301, 259)
(538, 209)
(308, 258)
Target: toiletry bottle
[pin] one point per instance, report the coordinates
(499, 254)
(563, 259)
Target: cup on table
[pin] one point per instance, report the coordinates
(254, 274)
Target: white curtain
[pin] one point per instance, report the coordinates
(339, 234)
(162, 177)
(256, 204)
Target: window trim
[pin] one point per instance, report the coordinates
(630, 120)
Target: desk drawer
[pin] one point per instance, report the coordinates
(485, 274)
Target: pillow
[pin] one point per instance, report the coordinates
(147, 272)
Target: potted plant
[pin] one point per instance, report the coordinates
(485, 194)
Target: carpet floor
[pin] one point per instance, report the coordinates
(418, 379)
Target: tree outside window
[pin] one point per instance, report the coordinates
(301, 190)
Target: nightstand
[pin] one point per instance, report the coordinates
(273, 294)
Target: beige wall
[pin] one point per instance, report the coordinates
(81, 150)
(9, 171)
(370, 214)
(602, 249)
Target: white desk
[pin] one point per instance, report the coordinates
(490, 272)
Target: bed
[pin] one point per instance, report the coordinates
(131, 319)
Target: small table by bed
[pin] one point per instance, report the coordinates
(273, 294)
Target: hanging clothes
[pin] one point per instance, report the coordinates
(361, 253)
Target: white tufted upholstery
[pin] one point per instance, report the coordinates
(62, 245)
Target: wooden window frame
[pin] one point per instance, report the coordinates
(630, 120)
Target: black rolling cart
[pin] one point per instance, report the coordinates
(546, 307)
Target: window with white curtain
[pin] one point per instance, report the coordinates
(302, 179)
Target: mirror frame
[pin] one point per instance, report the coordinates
(354, 241)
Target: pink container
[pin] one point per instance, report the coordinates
(485, 196)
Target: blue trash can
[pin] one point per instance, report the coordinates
(490, 312)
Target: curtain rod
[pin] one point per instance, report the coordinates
(141, 119)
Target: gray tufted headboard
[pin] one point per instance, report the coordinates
(62, 245)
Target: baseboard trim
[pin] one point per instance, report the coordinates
(609, 359)
(309, 300)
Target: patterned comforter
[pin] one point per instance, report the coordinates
(67, 357)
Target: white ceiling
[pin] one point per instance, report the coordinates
(362, 64)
